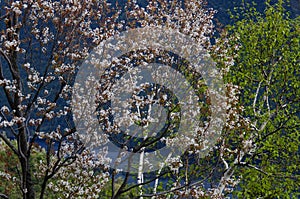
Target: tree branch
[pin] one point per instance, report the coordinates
(3, 196)
(255, 98)
(11, 146)
(172, 190)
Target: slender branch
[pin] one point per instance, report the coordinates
(221, 155)
(255, 98)
(12, 67)
(113, 183)
(268, 174)
(267, 90)
(10, 127)
(122, 185)
(229, 172)
(144, 183)
(254, 167)
(11, 146)
(172, 190)
(9, 98)
(3, 196)
(4, 16)
(276, 130)
(6, 58)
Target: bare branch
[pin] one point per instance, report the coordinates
(3, 196)
(11, 146)
(254, 167)
(9, 98)
(172, 190)
(255, 98)
(144, 183)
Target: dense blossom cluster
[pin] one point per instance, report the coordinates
(70, 181)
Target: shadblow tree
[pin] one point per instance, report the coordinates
(43, 43)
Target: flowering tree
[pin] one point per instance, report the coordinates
(42, 43)
(131, 88)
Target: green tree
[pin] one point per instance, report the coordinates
(263, 61)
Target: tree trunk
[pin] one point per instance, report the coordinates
(27, 185)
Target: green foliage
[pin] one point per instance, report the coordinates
(9, 165)
(7, 159)
(266, 51)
